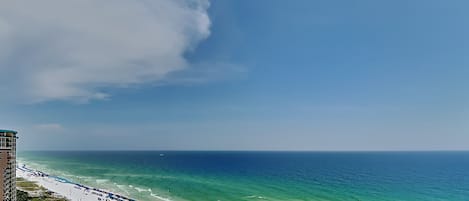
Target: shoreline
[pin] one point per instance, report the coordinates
(70, 190)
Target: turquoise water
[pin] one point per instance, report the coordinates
(265, 175)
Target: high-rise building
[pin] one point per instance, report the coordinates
(8, 165)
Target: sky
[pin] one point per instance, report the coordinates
(235, 74)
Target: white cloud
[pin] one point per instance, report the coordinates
(70, 50)
(49, 127)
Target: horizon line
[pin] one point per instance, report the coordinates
(235, 150)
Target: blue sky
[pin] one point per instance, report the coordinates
(261, 75)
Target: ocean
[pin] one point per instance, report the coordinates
(274, 176)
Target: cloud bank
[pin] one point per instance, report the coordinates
(71, 50)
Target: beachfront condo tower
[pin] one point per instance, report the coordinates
(8, 165)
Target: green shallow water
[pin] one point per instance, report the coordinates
(275, 176)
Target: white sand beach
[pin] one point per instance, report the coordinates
(67, 189)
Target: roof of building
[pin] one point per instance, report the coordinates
(7, 131)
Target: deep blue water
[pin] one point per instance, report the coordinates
(183, 175)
